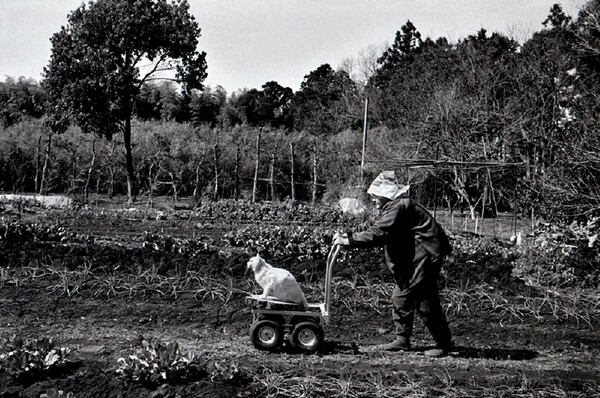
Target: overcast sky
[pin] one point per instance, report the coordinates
(251, 42)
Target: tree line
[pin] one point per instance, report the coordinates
(486, 123)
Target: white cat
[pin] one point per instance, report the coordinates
(276, 282)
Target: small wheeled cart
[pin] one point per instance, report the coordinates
(276, 321)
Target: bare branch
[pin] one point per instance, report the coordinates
(163, 57)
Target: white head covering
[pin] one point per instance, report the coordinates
(385, 185)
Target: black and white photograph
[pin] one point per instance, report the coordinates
(299, 198)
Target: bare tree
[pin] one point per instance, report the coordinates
(364, 65)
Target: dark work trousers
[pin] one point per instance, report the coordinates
(423, 298)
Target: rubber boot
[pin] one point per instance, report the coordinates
(401, 343)
(438, 327)
(436, 352)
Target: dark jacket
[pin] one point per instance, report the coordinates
(414, 242)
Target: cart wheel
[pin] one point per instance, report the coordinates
(266, 334)
(307, 336)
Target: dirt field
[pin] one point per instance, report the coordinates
(504, 347)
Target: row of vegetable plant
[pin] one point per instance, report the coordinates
(150, 362)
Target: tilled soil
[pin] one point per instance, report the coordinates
(102, 330)
(493, 352)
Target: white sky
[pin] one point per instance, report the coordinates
(251, 42)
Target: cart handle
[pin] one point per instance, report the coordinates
(333, 252)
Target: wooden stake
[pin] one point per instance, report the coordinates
(272, 176)
(73, 171)
(292, 176)
(44, 182)
(364, 144)
(236, 172)
(515, 208)
(255, 185)
(112, 170)
(37, 163)
(216, 159)
(314, 190)
(90, 171)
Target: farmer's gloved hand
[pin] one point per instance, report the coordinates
(341, 239)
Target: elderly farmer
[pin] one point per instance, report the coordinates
(415, 245)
